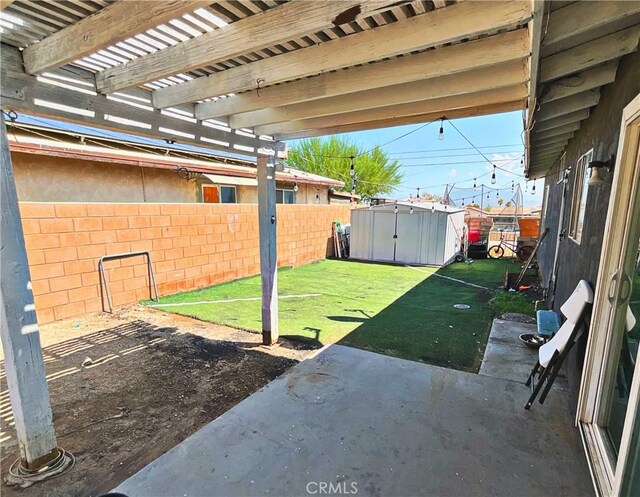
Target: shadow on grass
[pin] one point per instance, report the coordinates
(423, 324)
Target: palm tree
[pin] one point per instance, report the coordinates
(375, 173)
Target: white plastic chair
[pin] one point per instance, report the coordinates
(551, 355)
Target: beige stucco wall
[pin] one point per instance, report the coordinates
(54, 179)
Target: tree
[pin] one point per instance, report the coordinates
(376, 174)
(500, 201)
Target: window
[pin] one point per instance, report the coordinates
(228, 194)
(285, 197)
(579, 197)
(212, 194)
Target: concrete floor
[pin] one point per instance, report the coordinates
(508, 358)
(381, 426)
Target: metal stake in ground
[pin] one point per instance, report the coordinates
(24, 362)
(268, 253)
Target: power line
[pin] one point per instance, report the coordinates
(456, 149)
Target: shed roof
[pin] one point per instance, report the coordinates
(416, 206)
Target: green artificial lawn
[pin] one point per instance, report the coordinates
(395, 310)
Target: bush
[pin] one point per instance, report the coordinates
(504, 301)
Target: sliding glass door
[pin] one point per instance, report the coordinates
(608, 412)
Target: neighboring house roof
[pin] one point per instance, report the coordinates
(503, 211)
(49, 143)
(339, 193)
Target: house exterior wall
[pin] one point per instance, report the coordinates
(191, 246)
(599, 132)
(55, 179)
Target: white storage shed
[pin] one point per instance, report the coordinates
(410, 233)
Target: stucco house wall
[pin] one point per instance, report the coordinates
(56, 179)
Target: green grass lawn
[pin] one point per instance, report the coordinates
(395, 310)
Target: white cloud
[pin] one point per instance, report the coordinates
(453, 173)
(510, 162)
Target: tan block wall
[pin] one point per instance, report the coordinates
(191, 246)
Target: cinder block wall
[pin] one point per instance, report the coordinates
(191, 246)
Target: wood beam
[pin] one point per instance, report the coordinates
(572, 117)
(62, 100)
(5, 3)
(477, 54)
(583, 81)
(23, 359)
(281, 23)
(590, 54)
(108, 26)
(547, 152)
(567, 105)
(268, 249)
(458, 84)
(572, 24)
(535, 37)
(548, 140)
(560, 130)
(438, 27)
(441, 105)
(480, 110)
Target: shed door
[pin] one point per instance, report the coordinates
(384, 227)
(408, 241)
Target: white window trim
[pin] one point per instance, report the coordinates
(287, 190)
(581, 168)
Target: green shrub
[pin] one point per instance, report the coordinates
(504, 301)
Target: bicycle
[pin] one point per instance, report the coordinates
(497, 251)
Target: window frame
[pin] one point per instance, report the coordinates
(219, 188)
(293, 195)
(580, 190)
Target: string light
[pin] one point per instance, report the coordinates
(474, 183)
(317, 195)
(395, 207)
(533, 190)
(295, 187)
(462, 202)
(441, 132)
(352, 172)
(497, 193)
(513, 186)
(493, 175)
(411, 210)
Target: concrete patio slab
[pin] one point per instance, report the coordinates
(507, 358)
(383, 426)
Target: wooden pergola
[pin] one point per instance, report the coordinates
(243, 76)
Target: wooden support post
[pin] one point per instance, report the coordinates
(268, 253)
(23, 360)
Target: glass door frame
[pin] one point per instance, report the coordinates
(601, 360)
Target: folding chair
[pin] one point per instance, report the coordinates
(552, 354)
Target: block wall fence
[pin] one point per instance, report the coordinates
(191, 246)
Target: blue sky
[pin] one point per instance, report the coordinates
(430, 163)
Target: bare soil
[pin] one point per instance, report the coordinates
(154, 379)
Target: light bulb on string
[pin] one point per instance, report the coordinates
(295, 187)
(513, 186)
(433, 208)
(462, 202)
(493, 175)
(411, 210)
(441, 132)
(474, 183)
(395, 207)
(533, 189)
(498, 194)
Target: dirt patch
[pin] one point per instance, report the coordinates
(153, 380)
